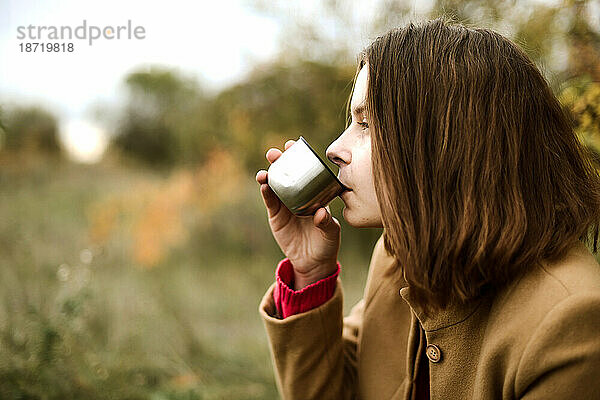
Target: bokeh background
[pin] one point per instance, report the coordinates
(134, 245)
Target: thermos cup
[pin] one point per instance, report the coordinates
(302, 180)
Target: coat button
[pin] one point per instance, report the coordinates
(433, 353)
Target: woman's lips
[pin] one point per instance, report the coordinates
(346, 188)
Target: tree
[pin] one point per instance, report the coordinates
(282, 101)
(30, 128)
(163, 122)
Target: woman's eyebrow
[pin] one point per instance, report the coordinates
(359, 109)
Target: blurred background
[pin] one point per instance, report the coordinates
(134, 246)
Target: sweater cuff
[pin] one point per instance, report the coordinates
(289, 302)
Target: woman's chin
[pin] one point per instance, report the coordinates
(356, 220)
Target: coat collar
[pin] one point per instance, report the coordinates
(454, 314)
(457, 313)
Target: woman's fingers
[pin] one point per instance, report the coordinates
(261, 176)
(273, 154)
(275, 208)
(272, 202)
(328, 225)
(288, 144)
(321, 217)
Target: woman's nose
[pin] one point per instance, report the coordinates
(337, 154)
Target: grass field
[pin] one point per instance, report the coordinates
(84, 318)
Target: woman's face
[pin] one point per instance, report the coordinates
(352, 153)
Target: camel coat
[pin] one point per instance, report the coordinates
(537, 339)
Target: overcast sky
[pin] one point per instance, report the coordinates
(212, 40)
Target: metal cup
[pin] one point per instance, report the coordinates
(302, 180)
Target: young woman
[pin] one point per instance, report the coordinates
(481, 286)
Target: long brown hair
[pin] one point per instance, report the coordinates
(477, 169)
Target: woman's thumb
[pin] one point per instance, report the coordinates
(326, 222)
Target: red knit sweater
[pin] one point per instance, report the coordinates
(289, 301)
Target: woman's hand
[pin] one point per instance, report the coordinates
(310, 242)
